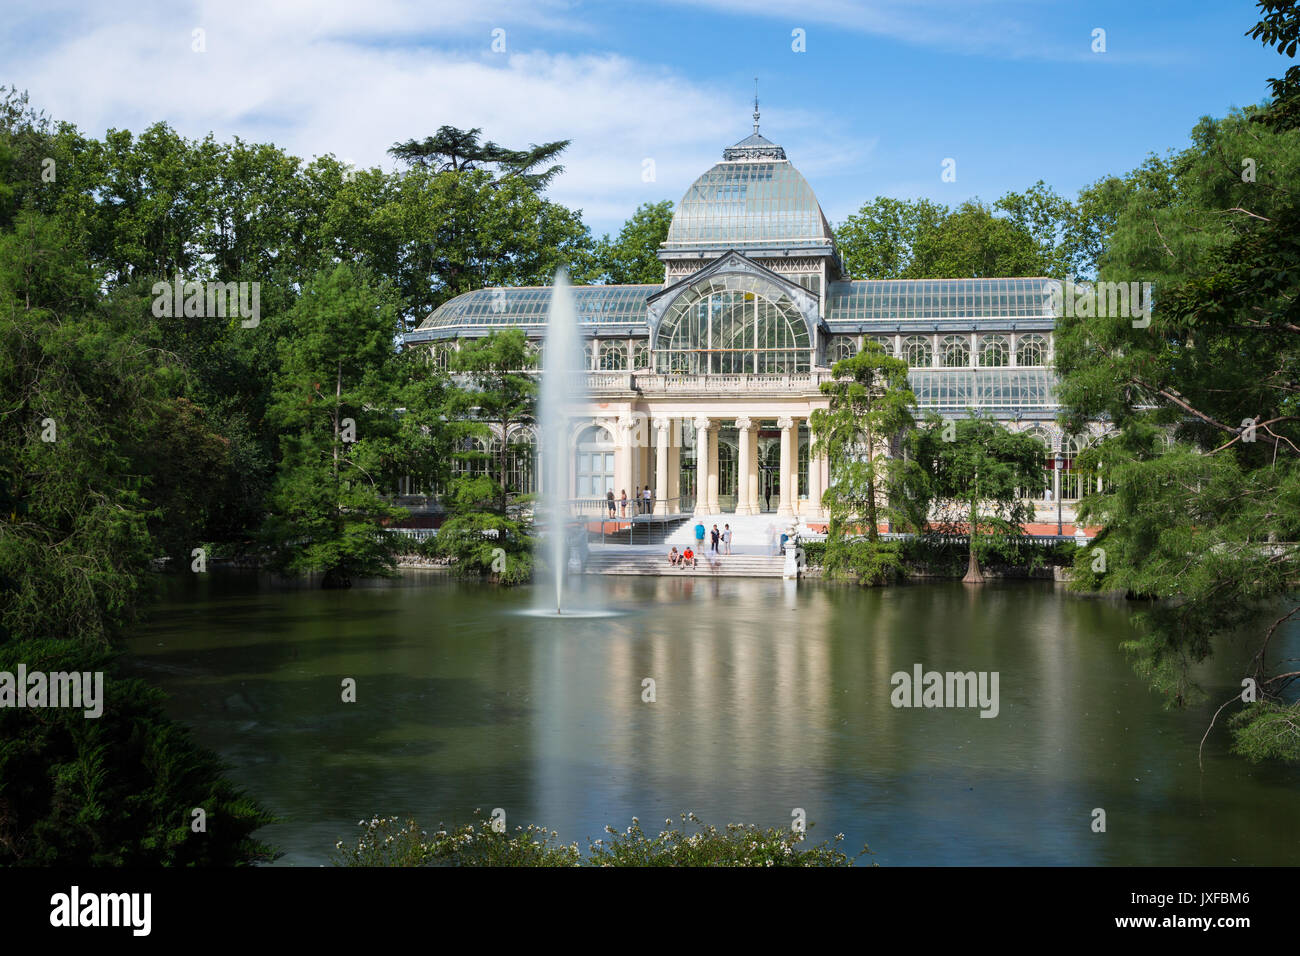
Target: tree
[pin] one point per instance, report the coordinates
(436, 235)
(869, 407)
(334, 401)
(1203, 508)
(1022, 234)
(632, 257)
(972, 242)
(973, 472)
(880, 239)
(484, 534)
(81, 394)
(457, 150)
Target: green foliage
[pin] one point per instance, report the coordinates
(1022, 234)
(85, 401)
(1203, 510)
(631, 257)
(869, 406)
(487, 535)
(1267, 730)
(864, 562)
(388, 842)
(116, 790)
(333, 399)
(453, 150)
(970, 476)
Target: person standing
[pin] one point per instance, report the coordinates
(646, 496)
(713, 539)
(699, 536)
(726, 539)
(623, 503)
(609, 499)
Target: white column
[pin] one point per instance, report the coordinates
(754, 473)
(675, 466)
(624, 475)
(814, 477)
(745, 428)
(714, 507)
(661, 466)
(701, 466)
(787, 438)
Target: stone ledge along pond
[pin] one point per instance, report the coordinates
(769, 696)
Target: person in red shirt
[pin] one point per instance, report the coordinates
(688, 557)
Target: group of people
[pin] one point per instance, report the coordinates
(642, 502)
(719, 543)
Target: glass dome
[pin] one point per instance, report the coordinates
(754, 197)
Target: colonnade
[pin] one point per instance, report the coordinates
(666, 451)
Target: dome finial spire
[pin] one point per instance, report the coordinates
(755, 104)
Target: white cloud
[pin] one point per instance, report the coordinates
(352, 79)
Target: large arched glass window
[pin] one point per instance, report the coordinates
(886, 342)
(733, 323)
(955, 351)
(916, 351)
(1031, 350)
(995, 351)
(641, 355)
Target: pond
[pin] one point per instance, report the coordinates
(768, 696)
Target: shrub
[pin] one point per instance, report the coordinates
(385, 841)
(116, 790)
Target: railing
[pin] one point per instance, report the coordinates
(619, 510)
(691, 382)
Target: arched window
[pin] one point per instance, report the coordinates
(839, 348)
(521, 463)
(1031, 350)
(588, 355)
(916, 351)
(534, 348)
(440, 356)
(886, 342)
(733, 323)
(1045, 439)
(995, 351)
(641, 355)
(1073, 480)
(475, 457)
(955, 351)
(613, 356)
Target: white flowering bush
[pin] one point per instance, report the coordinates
(387, 841)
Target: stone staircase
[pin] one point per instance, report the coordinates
(655, 563)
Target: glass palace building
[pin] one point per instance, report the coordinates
(701, 387)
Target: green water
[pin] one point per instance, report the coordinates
(769, 697)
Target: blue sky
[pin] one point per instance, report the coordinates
(884, 91)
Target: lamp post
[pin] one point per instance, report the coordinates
(1060, 492)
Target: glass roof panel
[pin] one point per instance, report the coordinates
(864, 300)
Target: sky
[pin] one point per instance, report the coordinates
(869, 98)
